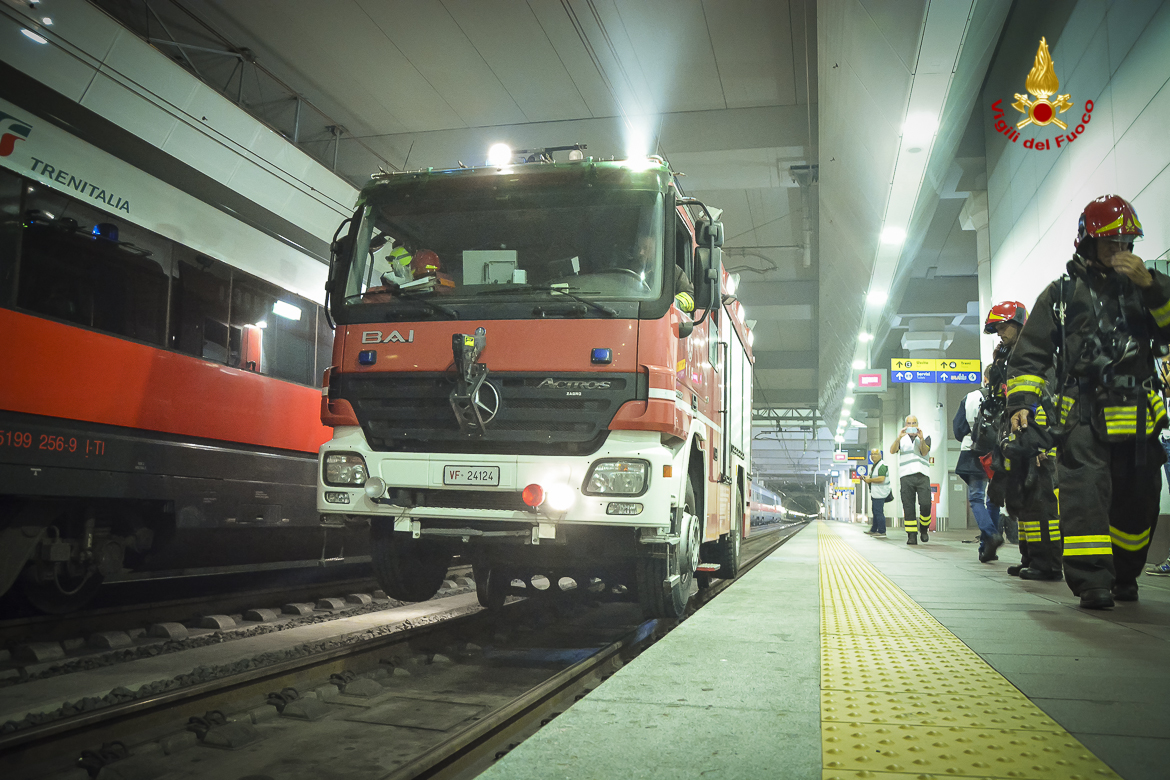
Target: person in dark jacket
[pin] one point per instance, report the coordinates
(971, 471)
(1093, 331)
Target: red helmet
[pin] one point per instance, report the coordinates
(1006, 311)
(1109, 215)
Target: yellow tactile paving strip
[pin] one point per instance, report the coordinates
(902, 697)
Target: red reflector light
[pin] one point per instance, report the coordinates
(533, 495)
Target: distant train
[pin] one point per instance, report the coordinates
(766, 507)
(161, 406)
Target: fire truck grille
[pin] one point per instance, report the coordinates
(462, 499)
(411, 412)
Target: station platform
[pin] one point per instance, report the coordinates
(843, 656)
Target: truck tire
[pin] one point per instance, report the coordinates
(728, 556)
(407, 569)
(655, 600)
(491, 586)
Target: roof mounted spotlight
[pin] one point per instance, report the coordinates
(545, 154)
(499, 155)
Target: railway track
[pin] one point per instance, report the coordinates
(441, 699)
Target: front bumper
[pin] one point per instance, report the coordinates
(425, 471)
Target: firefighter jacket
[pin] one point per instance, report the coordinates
(1087, 344)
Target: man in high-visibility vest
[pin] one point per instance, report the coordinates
(684, 291)
(913, 449)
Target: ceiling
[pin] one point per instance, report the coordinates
(719, 88)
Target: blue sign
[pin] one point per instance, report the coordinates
(959, 377)
(862, 470)
(916, 376)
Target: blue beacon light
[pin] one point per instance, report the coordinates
(601, 355)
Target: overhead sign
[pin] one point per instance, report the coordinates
(840, 456)
(925, 377)
(870, 380)
(959, 377)
(934, 370)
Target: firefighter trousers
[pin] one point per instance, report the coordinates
(916, 486)
(1032, 499)
(1109, 507)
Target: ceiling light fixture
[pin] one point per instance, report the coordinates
(877, 296)
(858, 364)
(864, 337)
(919, 128)
(848, 400)
(893, 235)
(32, 36)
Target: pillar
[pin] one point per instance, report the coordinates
(974, 216)
(892, 415)
(927, 338)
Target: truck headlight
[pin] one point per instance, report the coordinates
(617, 478)
(345, 468)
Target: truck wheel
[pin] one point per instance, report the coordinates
(407, 569)
(682, 560)
(491, 586)
(728, 558)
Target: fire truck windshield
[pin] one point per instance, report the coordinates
(454, 245)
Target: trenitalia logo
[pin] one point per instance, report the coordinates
(572, 384)
(11, 131)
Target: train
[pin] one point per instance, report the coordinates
(161, 410)
(766, 507)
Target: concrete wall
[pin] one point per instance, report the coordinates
(1115, 55)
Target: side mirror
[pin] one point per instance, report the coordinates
(706, 231)
(339, 249)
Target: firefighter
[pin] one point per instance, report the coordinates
(913, 450)
(684, 291)
(1093, 330)
(1026, 482)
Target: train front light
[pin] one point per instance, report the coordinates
(344, 469)
(617, 478)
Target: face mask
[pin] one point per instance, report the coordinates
(911, 430)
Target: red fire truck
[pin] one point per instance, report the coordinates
(514, 381)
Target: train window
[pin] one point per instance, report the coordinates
(199, 305)
(81, 265)
(10, 211)
(272, 331)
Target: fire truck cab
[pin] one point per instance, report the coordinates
(514, 381)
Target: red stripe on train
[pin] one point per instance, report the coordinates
(59, 370)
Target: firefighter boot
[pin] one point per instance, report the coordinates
(1127, 592)
(911, 537)
(923, 525)
(1032, 573)
(1096, 598)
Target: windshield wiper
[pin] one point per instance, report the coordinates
(601, 307)
(397, 292)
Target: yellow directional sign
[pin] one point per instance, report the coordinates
(933, 364)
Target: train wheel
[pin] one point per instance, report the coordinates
(728, 559)
(407, 569)
(678, 564)
(491, 586)
(62, 595)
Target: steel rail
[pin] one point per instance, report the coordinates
(481, 737)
